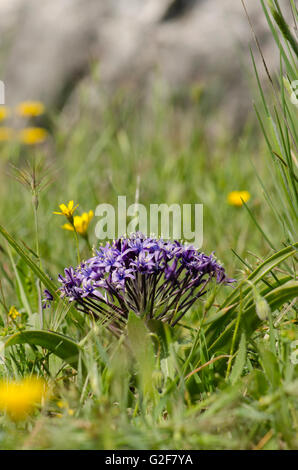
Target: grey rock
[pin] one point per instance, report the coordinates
(47, 46)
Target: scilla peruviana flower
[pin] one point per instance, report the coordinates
(153, 278)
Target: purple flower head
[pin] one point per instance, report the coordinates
(150, 276)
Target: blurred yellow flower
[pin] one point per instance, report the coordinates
(63, 404)
(4, 112)
(18, 399)
(236, 198)
(6, 133)
(13, 313)
(33, 135)
(80, 223)
(30, 108)
(67, 211)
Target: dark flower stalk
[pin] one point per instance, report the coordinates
(155, 279)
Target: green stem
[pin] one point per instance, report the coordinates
(36, 225)
(234, 337)
(87, 241)
(37, 249)
(77, 244)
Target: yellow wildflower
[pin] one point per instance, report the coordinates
(80, 223)
(33, 135)
(6, 133)
(67, 211)
(64, 405)
(30, 108)
(236, 198)
(4, 112)
(13, 313)
(18, 399)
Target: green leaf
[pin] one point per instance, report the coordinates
(275, 298)
(21, 291)
(28, 282)
(42, 276)
(58, 344)
(262, 270)
(227, 309)
(270, 366)
(142, 349)
(163, 332)
(240, 361)
(46, 281)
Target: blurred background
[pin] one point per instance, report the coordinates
(153, 97)
(49, 48)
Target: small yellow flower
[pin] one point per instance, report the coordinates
(13, 313)
(236, 198)
(18, 399)
(4, 112)
(80, 223)
(6, 133)
(30, 108)
(33, 135)
(64, 405)
(67, 211)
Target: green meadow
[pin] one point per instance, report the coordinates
(225, 376)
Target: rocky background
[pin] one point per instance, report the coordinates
(47, 47)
